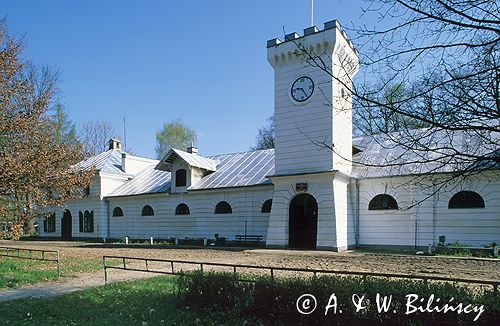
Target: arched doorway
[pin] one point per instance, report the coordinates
(303, 222)
(66, 225)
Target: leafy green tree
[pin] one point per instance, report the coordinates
(173, 134)
(65, 131)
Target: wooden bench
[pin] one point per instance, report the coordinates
(248, 238)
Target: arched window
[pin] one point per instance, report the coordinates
(180, 178)
(266, 207)
(466, 199)
(182, 209)
(382, 201)
(86, 221)
(223, 207)
(147, 211)
(117, 211)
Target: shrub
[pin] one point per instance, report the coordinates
(210, 290)
(273, 301)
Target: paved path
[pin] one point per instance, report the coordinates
(69, 284)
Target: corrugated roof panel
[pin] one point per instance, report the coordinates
(239, 169)
(212, 177)
(109, 161)
(235, 171)
(148, 181)
(422, 151)
(222, 171)
(255, 170)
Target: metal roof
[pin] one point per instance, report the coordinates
(109, 161)
(147, 181)
(422, 151)
(191, 159)
(239, 169)
(232, 170)
(381, 155)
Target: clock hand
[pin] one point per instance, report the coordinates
(303, 91)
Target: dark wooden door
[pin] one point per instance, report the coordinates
(303, 222)
(66, 226)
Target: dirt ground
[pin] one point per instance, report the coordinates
(470, 268)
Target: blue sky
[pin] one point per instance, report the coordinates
(203, 62)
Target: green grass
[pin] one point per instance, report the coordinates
(17, 272)
(143, 302)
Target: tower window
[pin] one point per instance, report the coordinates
(266, 207)
(382, 202)
(466, 199)
(182, 209)
(180, 178)
(223, 207)
(147, 211)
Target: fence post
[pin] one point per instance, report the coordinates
(58, 265)
(495, 251)
(429, 249)
(105, 271)
(151, 240)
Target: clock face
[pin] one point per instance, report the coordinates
(302, 89)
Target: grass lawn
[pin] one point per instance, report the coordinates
(143, 302)
(16, 272)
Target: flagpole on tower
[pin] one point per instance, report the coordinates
(312, 12)
(124, 135)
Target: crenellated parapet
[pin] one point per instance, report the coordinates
(314, 43)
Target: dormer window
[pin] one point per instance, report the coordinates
(180, 178)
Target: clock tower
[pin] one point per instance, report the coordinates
(313, 145)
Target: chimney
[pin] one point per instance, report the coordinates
(124, 159)
(115, 144)
(192, 150)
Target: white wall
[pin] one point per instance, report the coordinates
(330, 192)
(477, 226)
(75, 206)
(110, 182)
(202, 222)
(132, 164)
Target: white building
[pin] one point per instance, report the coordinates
(298, 195)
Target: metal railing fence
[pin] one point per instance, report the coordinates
(171, 270)
(33, 254)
